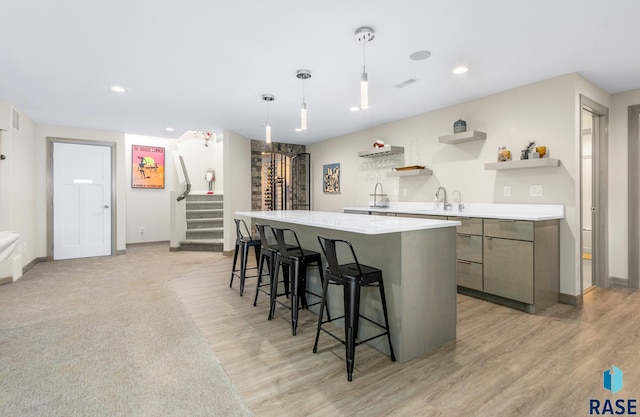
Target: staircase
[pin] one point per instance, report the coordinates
(204, 223)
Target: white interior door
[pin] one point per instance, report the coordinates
(81, 200)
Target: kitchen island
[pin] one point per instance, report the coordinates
(418, 261)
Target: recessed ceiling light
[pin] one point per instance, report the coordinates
(169, 129)
(118, 89)
(460, 70)
(355, 108)
(419, 55)
(298, 129)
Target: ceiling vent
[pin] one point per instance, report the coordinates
(15, 119)
(405, 83)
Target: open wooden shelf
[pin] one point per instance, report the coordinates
(411, 173)
(467, 136)
(523, 163)
(385, 150)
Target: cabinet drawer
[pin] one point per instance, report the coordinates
(421, 216)
(470, 225)
(469, 274)
(509, 229)
(469, 248)
(508, 268)
(382, 213)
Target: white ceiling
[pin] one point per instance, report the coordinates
(204, 64)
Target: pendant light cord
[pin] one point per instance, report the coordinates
(364, 55)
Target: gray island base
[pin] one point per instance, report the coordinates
(418, 261)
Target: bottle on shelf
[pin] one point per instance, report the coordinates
(503, 154)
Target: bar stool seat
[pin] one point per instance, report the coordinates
(352, 276)
(293, 258)
(244, 241)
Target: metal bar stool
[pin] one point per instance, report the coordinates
(244, 241)
(268, 253)
(353, 276)
(294, 259)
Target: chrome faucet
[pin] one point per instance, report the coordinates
(460, 205)
(375, 195)
(447, 205)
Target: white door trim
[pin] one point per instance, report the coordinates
(634, 194)
(114, 202)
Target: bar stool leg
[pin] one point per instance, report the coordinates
(260, 268)
(323, 303)
(274, 287)
(295, 296)
(302, 288)
(233, 269)
(386, 319)
(244, 256)
(322, 281)
(352, 316)
(285, 278)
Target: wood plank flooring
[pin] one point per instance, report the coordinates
(503, 363)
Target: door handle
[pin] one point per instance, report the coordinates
(106, 206)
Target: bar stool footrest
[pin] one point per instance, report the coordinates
(357, 342)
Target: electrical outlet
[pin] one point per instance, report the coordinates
(535, 191)
(506, 191)
(142, 230)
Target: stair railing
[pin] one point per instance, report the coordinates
(187, 189)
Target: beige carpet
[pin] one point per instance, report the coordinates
(108, 337)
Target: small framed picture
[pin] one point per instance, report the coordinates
(331, 178)
(147, 167)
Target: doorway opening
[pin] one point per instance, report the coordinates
(587, 201)
(594, 254)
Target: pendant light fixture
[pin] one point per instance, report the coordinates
(303, 74)
(364, 35)
(267, 131)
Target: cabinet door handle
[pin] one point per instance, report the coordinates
(489, 238)
(464, 262)
(464, 235)
(506, 221)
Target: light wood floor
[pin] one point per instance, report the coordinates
(503, 363)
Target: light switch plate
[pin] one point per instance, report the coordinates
(506, 191)
(535, 191)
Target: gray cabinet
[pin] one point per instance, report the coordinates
(508, 268)
(469, 256)
(522, 261)
(511, 262)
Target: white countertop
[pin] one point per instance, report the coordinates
(356, 223)
(534, 212)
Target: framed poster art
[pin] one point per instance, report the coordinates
(147, 166)
(331, 178)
